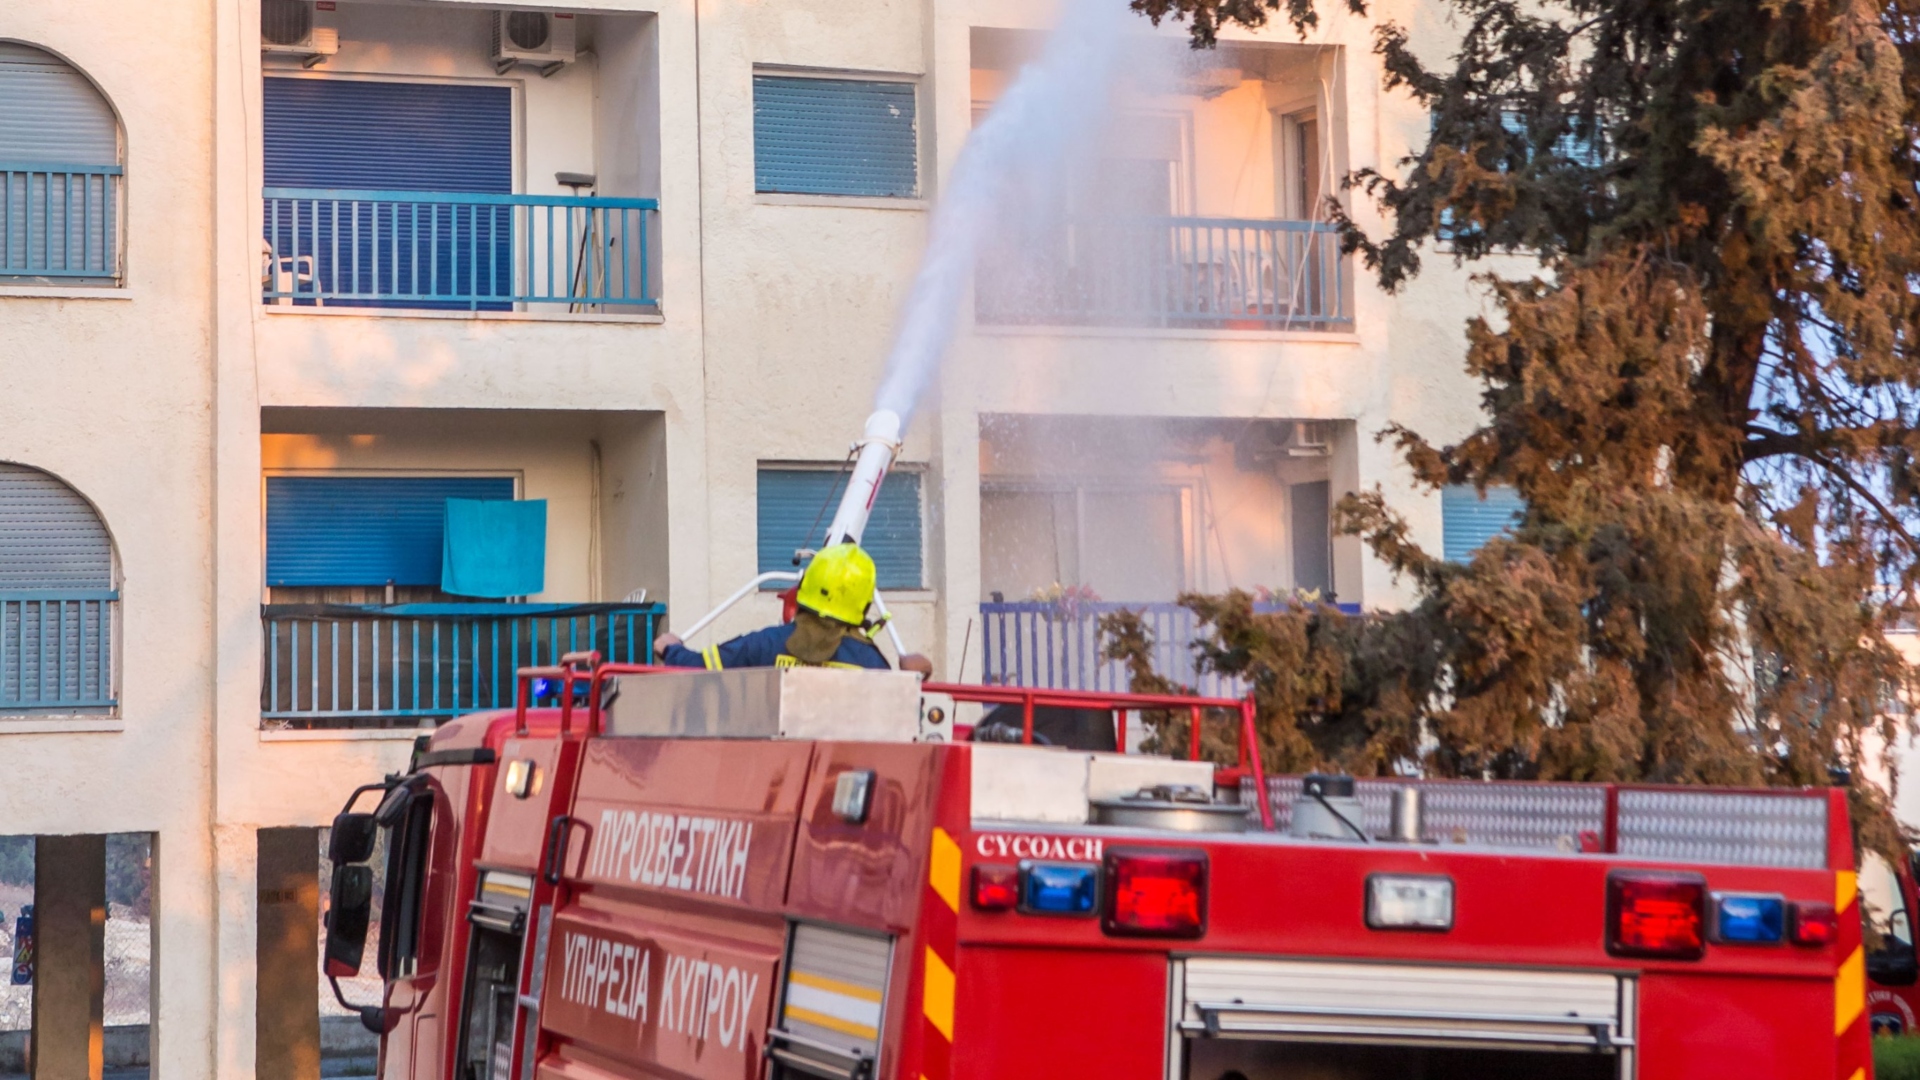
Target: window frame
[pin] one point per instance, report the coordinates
(113, 281)
(915, 469)
(922, 140)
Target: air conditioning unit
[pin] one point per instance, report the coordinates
(1310, 438)
(302, 28)
(536, 38)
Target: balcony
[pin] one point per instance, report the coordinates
(414, 665)
(331, 247)
(59, 224)
(56, 651)
(1058, 646)
(1170, 272)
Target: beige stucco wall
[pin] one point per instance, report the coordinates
(777, 315)
(112, 393)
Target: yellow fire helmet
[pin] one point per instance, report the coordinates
(838, 584)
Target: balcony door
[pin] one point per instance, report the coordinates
(342, 158)
(1128, 543)
(1302, 166)
(347, 539)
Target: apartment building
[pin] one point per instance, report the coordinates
(359, 352)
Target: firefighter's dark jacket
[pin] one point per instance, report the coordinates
(768, 648)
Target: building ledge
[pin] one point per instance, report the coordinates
(845, 202)
(61, 725)
(65, 292)
(460, 316)
(344, 735)
(1323, 337)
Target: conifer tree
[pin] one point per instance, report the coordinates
(1707, 395)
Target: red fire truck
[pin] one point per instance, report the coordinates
(816, 873)
(1893, 969)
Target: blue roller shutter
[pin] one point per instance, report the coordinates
(50, 538)
(835, 137)
(1469, 521)
(790, 504)
(59, 172)
(356, 134)
(364, 530)
(57, 605)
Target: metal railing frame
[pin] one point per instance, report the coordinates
(31, 193)
(73, 656)
(1047, 645)
(1175, 272)
(335, 666)
(404, 232)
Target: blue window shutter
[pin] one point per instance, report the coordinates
(355, 133)
(50, 113)
(791, 501)
(57, 222)
(364, 530)
(50, 537)
(1468, 521)
(392, 136)
(835, 137)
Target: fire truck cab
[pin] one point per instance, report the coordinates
(813, 873)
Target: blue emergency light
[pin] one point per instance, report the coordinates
(1747, 919)
(1053, 889)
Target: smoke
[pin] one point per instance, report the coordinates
(1020, 152)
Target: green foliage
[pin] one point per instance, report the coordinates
(1897, 1058)
(1709, 399)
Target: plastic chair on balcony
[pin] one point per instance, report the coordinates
(282, 278)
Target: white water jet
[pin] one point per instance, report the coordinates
(1019, 152)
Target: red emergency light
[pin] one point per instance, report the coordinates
(1814, 924)
(1155, 893)
(995, 887)
(1656, 915)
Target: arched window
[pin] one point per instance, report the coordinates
(57, 598)
(60, 173)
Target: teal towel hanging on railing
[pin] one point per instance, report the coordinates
(494, 548)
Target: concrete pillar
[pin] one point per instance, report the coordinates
(69, 971)
(287, 957)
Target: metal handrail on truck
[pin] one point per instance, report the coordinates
(576, 667)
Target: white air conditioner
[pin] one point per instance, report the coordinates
(537, 38)
(302, 28)
(1310, 438)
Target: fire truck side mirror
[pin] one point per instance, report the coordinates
(349, 907)
(351, 840)
(1895, 965)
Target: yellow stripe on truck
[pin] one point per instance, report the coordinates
(943, 868)
(831, 1023)
(1850, 991)
(1846, 889)
(936, 998)
(834, 986)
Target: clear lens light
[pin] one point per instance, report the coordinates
(1409, 902)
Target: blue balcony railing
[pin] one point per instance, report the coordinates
(457, 251)
(60, 223)
(56, 651)
(333, 666)
(1056, 646)
(1173, 272)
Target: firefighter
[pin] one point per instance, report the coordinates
(829, 628)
